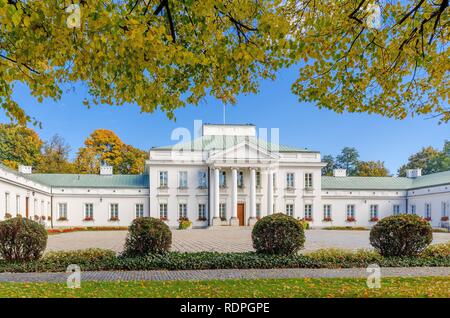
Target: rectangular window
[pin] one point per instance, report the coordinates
(7, 203)
(182, 210)
(223, 179)
(202, 212)
(114, 211)
(89, 211)
(240, 180)
(373, 212)
(327, 212)
(183, 179)
(163, 179)
(428, 211)
(17, 204)
(308, 180)
(202, 179)
(290, 209)
(258, 179)
(42, 207)
(290, 180)
(258, 210)
(163, 211)
(223, 211)
(274, 181)
(308, 212)
(396, 209)
(350, 211)
(62, 211)
(35, 206)
(413, 209)
(139, 209)
(444, 212)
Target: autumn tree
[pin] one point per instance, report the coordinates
(55, 157)
(348, 159)
(371, 169)
(105, 147)
(166, 54)
(429, 159)
(19, 145)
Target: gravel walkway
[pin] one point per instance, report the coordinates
(227, 274)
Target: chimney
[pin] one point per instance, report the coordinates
(413, 173)
(340, 172)
(25, 169)
(106, 170)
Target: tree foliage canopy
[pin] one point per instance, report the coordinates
(429, 159)
(165, 54)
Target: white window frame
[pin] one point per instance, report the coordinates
(7, 203)
(444, 210)
(183, 179)
(258, 210)
(87, 213)
(17, 204)
(163, 208)
(413, 209)
(373, 211)
(222, 179)
(240, 179)
(223, 211)
(258, 179)
(396, 209)
(350, 211)
(327, 211)
(290, 180)
(428, 210)
(139, 210)
(290, 208)
(202, 179)
(163, 179)
(62, 213)
(182, 210)
(202, 211)
(114, 210)
(308, 211)
(308, 180)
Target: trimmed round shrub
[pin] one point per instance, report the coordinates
(147, 236)
(401, 235)
(278, 234)
(22, 239)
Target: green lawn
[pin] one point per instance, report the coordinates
(307, 287)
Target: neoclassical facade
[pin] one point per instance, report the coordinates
(225, 177)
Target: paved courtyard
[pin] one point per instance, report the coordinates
(219, 240)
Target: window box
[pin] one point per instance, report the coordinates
(444, 218)
(62, 219)
(201, 219)
(351, 219)
(327, 220)
(43, 218)
(8, 215)
(375, 219)
(88, 218)
(289, 188)
(428, 219)
(163, 187)
(114, 219)
(202, 187)
(182, 188)
(309, 219)
(164, 219)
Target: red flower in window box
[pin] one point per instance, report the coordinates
(88, 218)
(201, 219)
(375, 219)
(428, 219)
(308, 219)
(327, 219)
(115, 218)
(164, 219)
(351, 219)
(444, 218)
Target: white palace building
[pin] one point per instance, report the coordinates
(225, 177)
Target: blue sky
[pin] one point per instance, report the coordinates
(300, 124)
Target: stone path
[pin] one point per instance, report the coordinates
(218, 240)
(226, 274)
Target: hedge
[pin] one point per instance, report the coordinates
(97, 260)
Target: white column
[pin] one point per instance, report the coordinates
(234, 181)
(270, 193)
(252, 219)
(216, 193)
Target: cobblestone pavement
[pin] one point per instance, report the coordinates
(219, 240)
(226, 274)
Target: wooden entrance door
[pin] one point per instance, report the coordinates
(27, 212)
(241, 214)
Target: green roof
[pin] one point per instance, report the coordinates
(207, 143)
(91, 180)
(385, 183)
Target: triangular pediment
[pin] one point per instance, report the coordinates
(246, 151)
